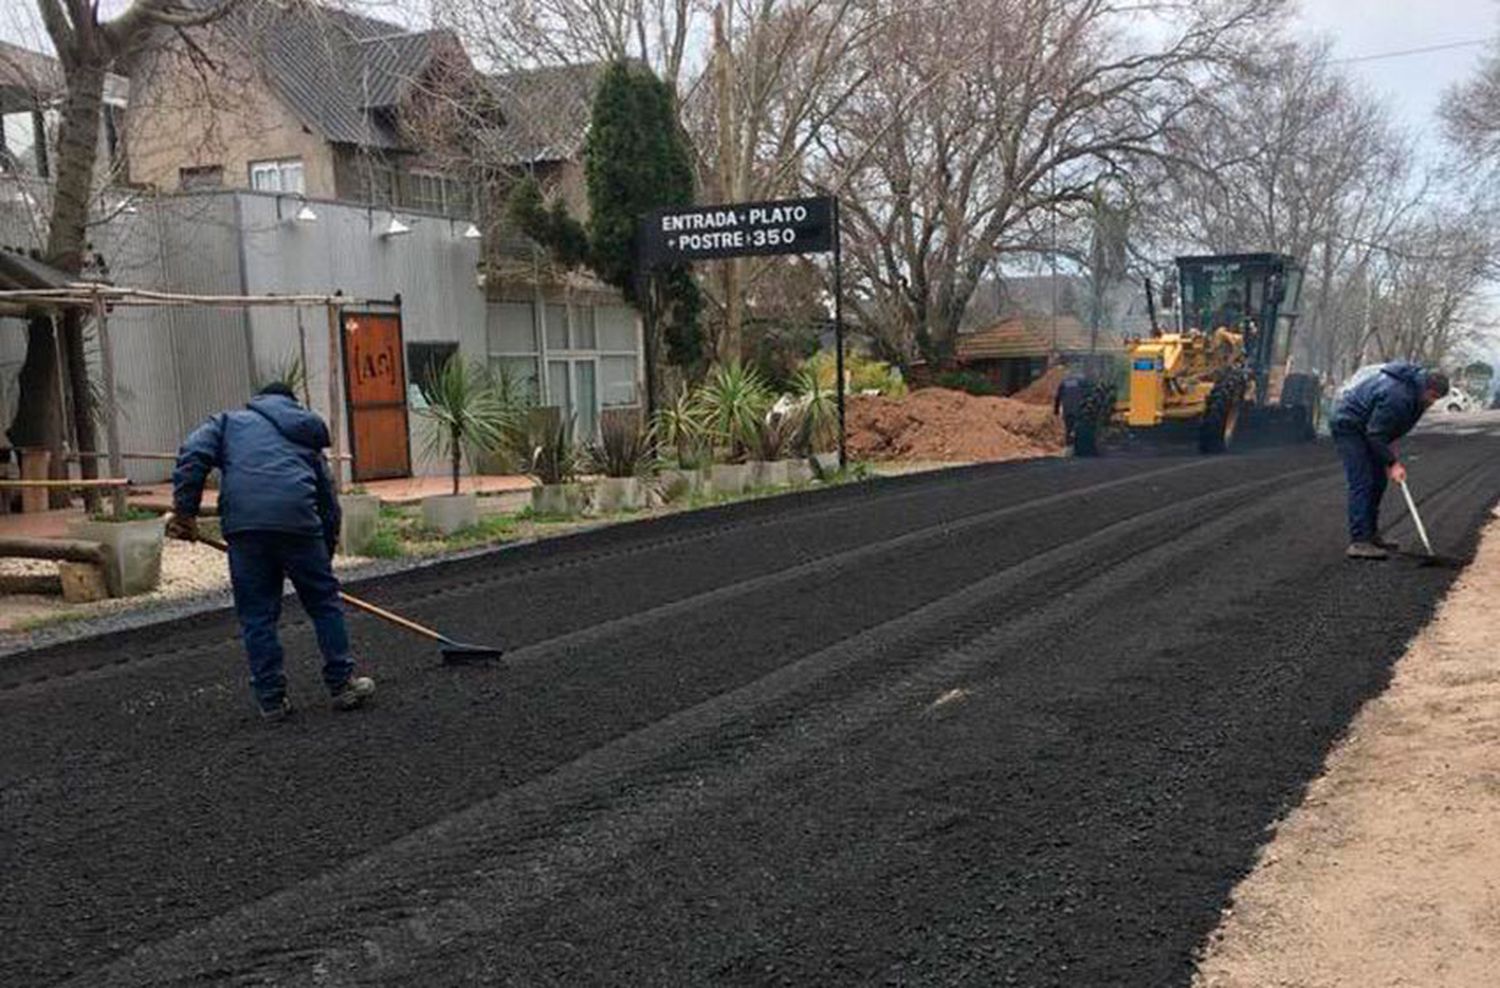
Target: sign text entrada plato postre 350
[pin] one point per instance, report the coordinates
(697, 233)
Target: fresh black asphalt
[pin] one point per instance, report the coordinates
(1015, 724)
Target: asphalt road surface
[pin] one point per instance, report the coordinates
(1017, 724)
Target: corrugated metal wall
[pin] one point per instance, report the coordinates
(432, 268)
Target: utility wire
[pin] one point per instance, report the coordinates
(1403, 52)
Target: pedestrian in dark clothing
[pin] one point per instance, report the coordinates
(280, 516)
(1071, 392)
(1368, 418)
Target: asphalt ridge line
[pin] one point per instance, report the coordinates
(728, 591)
(469, 833)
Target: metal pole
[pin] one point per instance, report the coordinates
(111, 419)
(334, 432)
(838, 332)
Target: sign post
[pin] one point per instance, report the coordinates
(669, 237)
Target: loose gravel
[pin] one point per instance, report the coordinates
(1012, 724)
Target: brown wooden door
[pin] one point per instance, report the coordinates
(375, 388)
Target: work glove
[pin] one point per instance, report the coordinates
(184, 527)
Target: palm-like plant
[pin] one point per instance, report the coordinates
(683, 427)
(465, 413)
(818, 411)
(734, 401)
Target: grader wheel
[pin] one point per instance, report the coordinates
(1221, 417)
(1093, 416)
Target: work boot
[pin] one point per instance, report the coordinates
(355, 691)
(275, 710)
(1366, 550)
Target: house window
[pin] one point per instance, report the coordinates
(200, 177)
(435, 193)
(283, 175)
(23, 144)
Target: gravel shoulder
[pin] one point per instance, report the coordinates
(1388, 873)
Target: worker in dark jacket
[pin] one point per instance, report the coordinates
(280, 516)
(1369, 417)
(1071, 392)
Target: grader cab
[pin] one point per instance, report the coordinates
(1225, 368)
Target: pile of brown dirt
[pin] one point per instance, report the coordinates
(1044, 389)
(939, 424)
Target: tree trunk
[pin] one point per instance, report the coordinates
(38, 420)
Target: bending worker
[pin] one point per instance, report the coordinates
(1371, 414)
(281, 517)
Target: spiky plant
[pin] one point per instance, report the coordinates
(775, 435)
(817, 412)
(464, 412)
(682, 426)
(734, 400)
(549, 451)
(623, 447)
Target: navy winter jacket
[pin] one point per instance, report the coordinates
(273, 477)
(1383, 407)
(1070, 394)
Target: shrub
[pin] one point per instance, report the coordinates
(734, 400)
(623, 446)
(971, 381)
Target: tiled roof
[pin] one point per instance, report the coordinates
(547, 111)
(1032, 336)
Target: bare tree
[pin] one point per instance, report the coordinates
(88, 49)
(510, 34)
(982, 120)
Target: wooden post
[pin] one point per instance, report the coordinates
(334, 432)
(111, 419)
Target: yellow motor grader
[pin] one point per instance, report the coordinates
(1224, 370)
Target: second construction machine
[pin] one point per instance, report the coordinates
(1225, 370)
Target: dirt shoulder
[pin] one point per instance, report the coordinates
(1389, 871)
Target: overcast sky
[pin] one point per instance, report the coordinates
(1412, 83)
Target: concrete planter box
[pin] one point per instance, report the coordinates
(560, 499)
(132, 552)
(678, 485)
(827, 462)
(618, 494)
(729, 478)
(447, 513)
(768, 473)
(361, 515)
(799, 472)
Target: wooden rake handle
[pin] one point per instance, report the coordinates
(353, 601)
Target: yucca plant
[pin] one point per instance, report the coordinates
(623, 447)
(734, 400)
(682, 427)
(465, 415)
(817, 412)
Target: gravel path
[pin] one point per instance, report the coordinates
(1024, 724)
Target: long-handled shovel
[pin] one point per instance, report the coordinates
(452, 651)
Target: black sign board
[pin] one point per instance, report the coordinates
(741, 229)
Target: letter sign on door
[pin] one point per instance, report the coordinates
(375, 391)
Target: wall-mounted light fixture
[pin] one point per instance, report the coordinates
(395, 228)
(472, 233)
(303, 215)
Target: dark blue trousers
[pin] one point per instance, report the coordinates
(258, 563)
(1367, 481)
